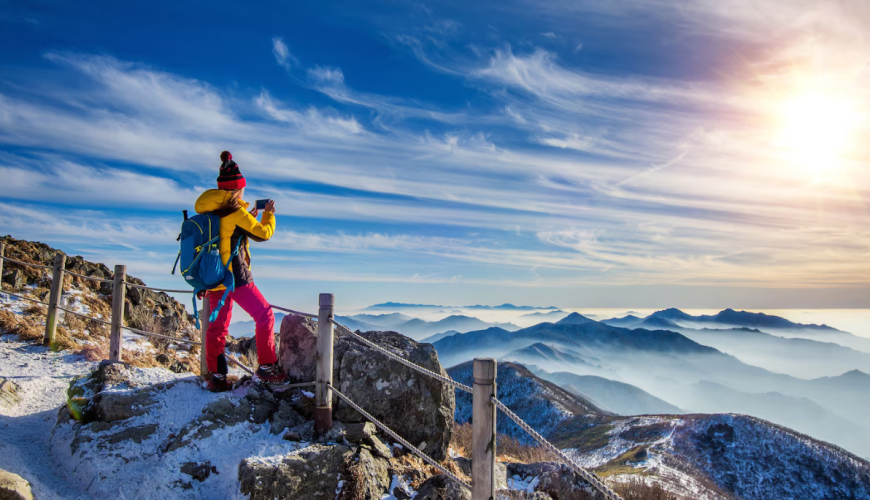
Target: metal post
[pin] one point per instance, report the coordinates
(54, 299)
(204, 313)
(119, 291)
(483, 430)
(323, 399)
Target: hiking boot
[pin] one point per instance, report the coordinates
(271, 374)
(219, 383)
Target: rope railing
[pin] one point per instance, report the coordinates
(394, 357)
(296, 386)
(83, 316)
(157, 335)
(238, 363)
(586, 475)
(91, 278)
(10, 259)
(291, 311)
(25, 298)
(165, 290)
(403, 442)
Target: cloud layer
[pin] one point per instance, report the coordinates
(549, 175)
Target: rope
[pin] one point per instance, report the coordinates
(92, 278)
(588, 476)
(83, 316)
(25, 298)
(240, 365)
(149, 334)
(291, 311)
(294, 386)
(398, 438)
(165, 290)
(26, 263)
(424, 371)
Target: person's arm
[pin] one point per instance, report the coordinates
(258, 231)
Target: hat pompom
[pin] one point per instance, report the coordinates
(226, 155)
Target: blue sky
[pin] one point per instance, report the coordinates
(579, 154)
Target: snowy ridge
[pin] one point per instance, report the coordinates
(541, 404)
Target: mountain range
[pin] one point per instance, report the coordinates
(715, 457)
(684, 373)
(503, 307)
(815, 354)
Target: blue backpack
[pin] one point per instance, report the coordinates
(200, 258)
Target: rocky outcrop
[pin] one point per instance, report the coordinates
(14, 487)
(139, 303)
(319, 471)
(417, 407)
(554, 479)
(442, 488)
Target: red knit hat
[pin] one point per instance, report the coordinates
(230, 177)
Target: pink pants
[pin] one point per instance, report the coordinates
(252, 302)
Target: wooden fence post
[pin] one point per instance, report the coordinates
(119, 292)
(483, 430)
(2, 253)
(323, 399)
(204, 314)
(54, 299)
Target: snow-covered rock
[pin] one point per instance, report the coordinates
(419, 408)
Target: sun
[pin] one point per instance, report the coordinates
(816, 129)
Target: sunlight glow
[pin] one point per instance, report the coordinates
(815, 130)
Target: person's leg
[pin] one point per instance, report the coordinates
(216, 335)
(252, 301)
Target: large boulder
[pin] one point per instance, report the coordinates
(319, 471)
(14, 487)
(297, 348)
(15, 278)
(442, 488)
(419, 408)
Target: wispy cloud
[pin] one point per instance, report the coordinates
(612, 178)
(282, 54)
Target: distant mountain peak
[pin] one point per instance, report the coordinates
(574, 319)
(671, 313)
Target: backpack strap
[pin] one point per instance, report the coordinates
(199, 255)
(176, 262)
(229, 284)
(196, 312)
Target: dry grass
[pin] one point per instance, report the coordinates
(34, 310)
(95, 352)
(146, 321)
(417, 471)
(637, 489)
(22, 326)
(249, 358)
(508, 449)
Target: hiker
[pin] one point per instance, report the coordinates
(238, 227)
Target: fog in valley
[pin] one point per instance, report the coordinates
(798, 368)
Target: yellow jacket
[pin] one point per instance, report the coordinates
(214, 200)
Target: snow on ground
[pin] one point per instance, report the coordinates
(25, 430)
(616, 445)
(14, 304)
(142, 470)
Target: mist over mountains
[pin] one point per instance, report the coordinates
(677, 368)
(809, 377)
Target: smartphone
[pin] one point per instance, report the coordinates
(261, 204)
